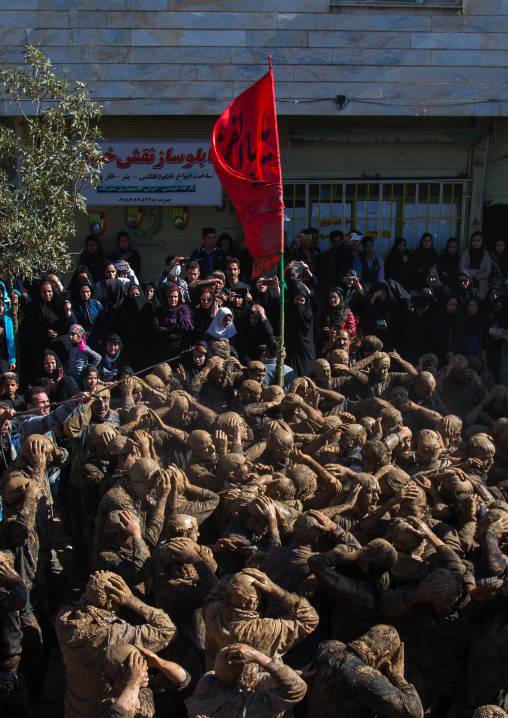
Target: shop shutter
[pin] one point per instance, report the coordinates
(496, 189)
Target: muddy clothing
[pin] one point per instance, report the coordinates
(346, 687)
(77, 429)
(249, 544)
(226, 624)
(30, 528)
(266, 459)
(380, 388)
(335, 384)
(13, 599)
(18, 534)
(361, 601)
(487, 674)
(199, 503)
(134, 564)
(217, 398)
(182, 600)
(201, 472)
(432, 402)
(272, 696)
(120, 498)
(169, 450)
(94, 478)
(287, 567)
(83, 631)
(107, 707)
(14, 694)
(288, 511)
(461, 396)
(440, 645)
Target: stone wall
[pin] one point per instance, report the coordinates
(193, 57)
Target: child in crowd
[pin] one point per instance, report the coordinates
(79, 352)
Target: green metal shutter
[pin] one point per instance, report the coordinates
(496, 189)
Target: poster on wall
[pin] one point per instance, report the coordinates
(329, 218)
(440, 220)
(143, 172)
(369, 223)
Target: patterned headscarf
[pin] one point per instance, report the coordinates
(78, 329)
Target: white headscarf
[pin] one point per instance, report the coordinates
(216, 329)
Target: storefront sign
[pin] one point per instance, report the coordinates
(142, 172)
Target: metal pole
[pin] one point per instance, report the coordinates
(280, 360)
(96, 396)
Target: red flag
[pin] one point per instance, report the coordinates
(245, 155)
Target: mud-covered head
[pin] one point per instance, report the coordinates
(154, 382)
(142, 476)
(99, 438)
(98, 590)
(417, 506)
(376, 558)
(489, 711)
(280, 443)
(481, 446)
(218, 372)
(201, 444)
(29, 448)
(339, 357)
(381, 366)
(393, 481)
(390, 419)
(114, 528)
(404, 538)
(303, 478)
(322, 371)
(352, 437)
(377, 647)
(234, 468)
(424, 385)
(500, 433)
(454, 488)
(241, 592)
(178, 408)
(182, 526)
(368, 423)
(256, 370)
(115, 661)
(398, 398)
(449, 427)
(273, 393)
(229, 421)
(230, 671)
(250, 392)
(370, 345)
(307, 530)
(429, 445)
(282, 489)
(450, 591)
(367, 499)
(164, 373)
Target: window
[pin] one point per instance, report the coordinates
(399, 3)
(382, 210)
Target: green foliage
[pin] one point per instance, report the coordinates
(44, 167)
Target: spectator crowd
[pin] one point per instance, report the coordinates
(206, 540)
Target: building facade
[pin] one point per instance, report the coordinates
(392, 115)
